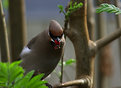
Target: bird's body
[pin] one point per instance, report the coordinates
(40, 55)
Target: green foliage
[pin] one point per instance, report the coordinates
(108, 8)
(12, 76)
(61, 9)
(71, 9)
(68, 62)
(5, 4)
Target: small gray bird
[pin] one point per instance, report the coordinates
(44, 51)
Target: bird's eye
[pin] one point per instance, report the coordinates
(60, 36)
(54, 37)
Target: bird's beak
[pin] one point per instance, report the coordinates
(56, 42)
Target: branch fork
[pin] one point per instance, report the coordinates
(96, 46)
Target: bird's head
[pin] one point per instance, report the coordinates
(56, 34)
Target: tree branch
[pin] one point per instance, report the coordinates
(17, 27)
(78, 34)
(83, 82)
(61, 77)
(90, 18)
(106, 40)
(118, 24)
(5, 52)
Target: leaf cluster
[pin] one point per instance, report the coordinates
(108, 8)
(71, 9)
(12, 76)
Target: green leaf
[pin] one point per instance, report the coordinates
(3, 73)
(8, 72)
(109, 8)
(24, 81)
(15, 69)
(12, 76)
(118, 13)
(61, 8)
(68, 62)
(35, 79)
(37, 84)
(28, 76)
(2, 85)
(71, 9)
(3, 69)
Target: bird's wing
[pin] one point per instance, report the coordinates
(28, 48)
(31, 42)
(25, 51)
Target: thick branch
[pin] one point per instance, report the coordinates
(118, 24)
(17, 27)
(118, 21)
(78, 34)
(5, 52)
(84, 82)
(106, 40)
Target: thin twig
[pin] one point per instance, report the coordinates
(61, 77)
(65, 28)
(5, 52)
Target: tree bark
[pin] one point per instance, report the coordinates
(91, 18)
(17, 27)
(118, 24)
(85, 49)
(4, 45)
(78, 34)
(80, 82)
(101, 32)
(107, 39)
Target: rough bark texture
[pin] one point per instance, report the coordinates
(17, 27)
(5, 53)
(78, 34)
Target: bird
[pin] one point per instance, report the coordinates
(44, 51)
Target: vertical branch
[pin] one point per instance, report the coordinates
(17, 27)
(61, 77)
(104, 56)
(78, 34)
(118, 24)
(100, 33)
(90, 18)
(105, 66)
(65, 28)
(79, 42)
(5, 52)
